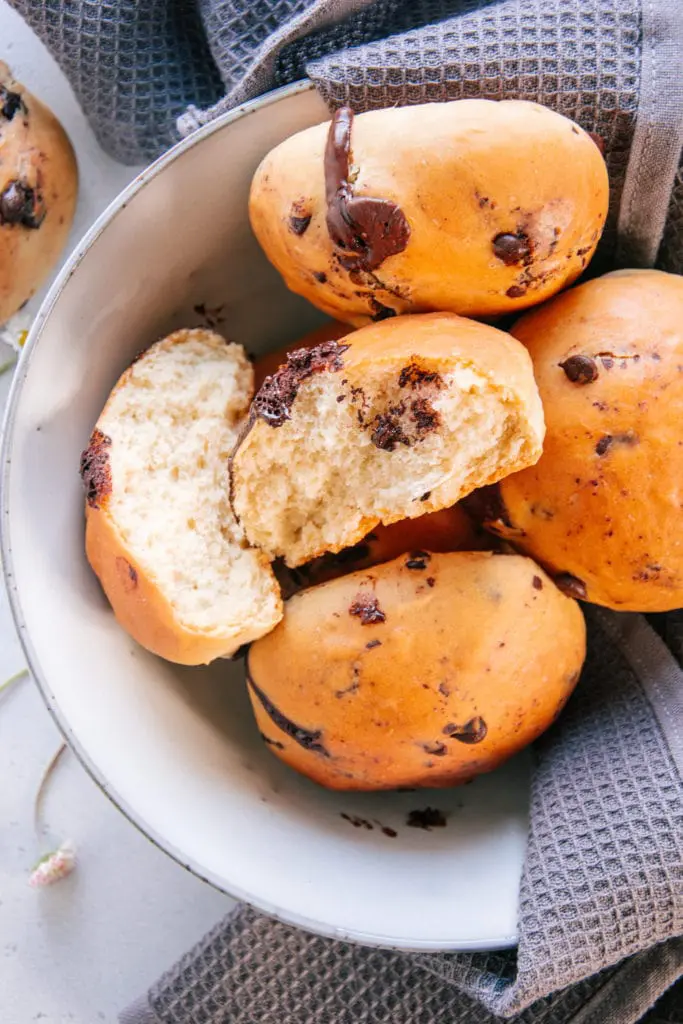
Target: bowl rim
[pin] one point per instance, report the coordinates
(68, 269)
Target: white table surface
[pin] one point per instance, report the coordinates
(84, 948)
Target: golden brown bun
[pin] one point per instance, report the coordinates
(417, 673)
(38, 188)
(266, 365)
(449, 529)
(475, 207)
(604, 502)
(400, 418)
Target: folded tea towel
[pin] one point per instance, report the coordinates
(601, 897)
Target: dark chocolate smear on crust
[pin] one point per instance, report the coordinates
(570, 585)
(473, 731)
(21, 204)
(580, 369)
(309, 739)
(367, 609)
(95, 470)
(427, 819)
(274, 400)
(365, 230)
(11, 103)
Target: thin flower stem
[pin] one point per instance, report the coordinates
(42, 788)
(16, 678)
(4, 367)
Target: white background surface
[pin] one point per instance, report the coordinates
(84, 948)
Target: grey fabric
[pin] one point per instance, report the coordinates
(658, 136)
(602, 889)
(146, 73)
(601, 899)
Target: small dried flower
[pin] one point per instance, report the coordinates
(54, 866)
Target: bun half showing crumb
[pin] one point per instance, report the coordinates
(400, 418)
(160, 533)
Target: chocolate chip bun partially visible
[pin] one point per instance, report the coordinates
(38, 189)
(424, 671)
(603, 507)
(397, 419)
(476, 207)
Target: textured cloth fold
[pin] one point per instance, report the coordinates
(601, 898)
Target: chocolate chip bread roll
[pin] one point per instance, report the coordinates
(424, 671)
(390, 422)
(603, 508)
(38, 188)
(476, 207)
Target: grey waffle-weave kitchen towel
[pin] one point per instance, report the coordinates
(601, 902)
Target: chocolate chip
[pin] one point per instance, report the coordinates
(418, 560)
(373, 643)
(367, 609)
(512, 249)
(425, 415)
(426, 496)
(430, 581)
(388, 431)
(607, 441)
(415, 376)
(537, 583)
(436, 749)
(603, 444)
(516, 291)
(580, 369)
(21, 204)
(320, 276)
(273, 402)
(427, 819)
(473, 731)
(11, 103)
(299, 218)
(571, 585)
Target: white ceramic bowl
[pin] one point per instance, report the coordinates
(176, 749)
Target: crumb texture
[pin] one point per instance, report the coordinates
(173, 421)
(367, 443)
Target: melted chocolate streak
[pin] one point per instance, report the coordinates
(367, 230)
(306, 738)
